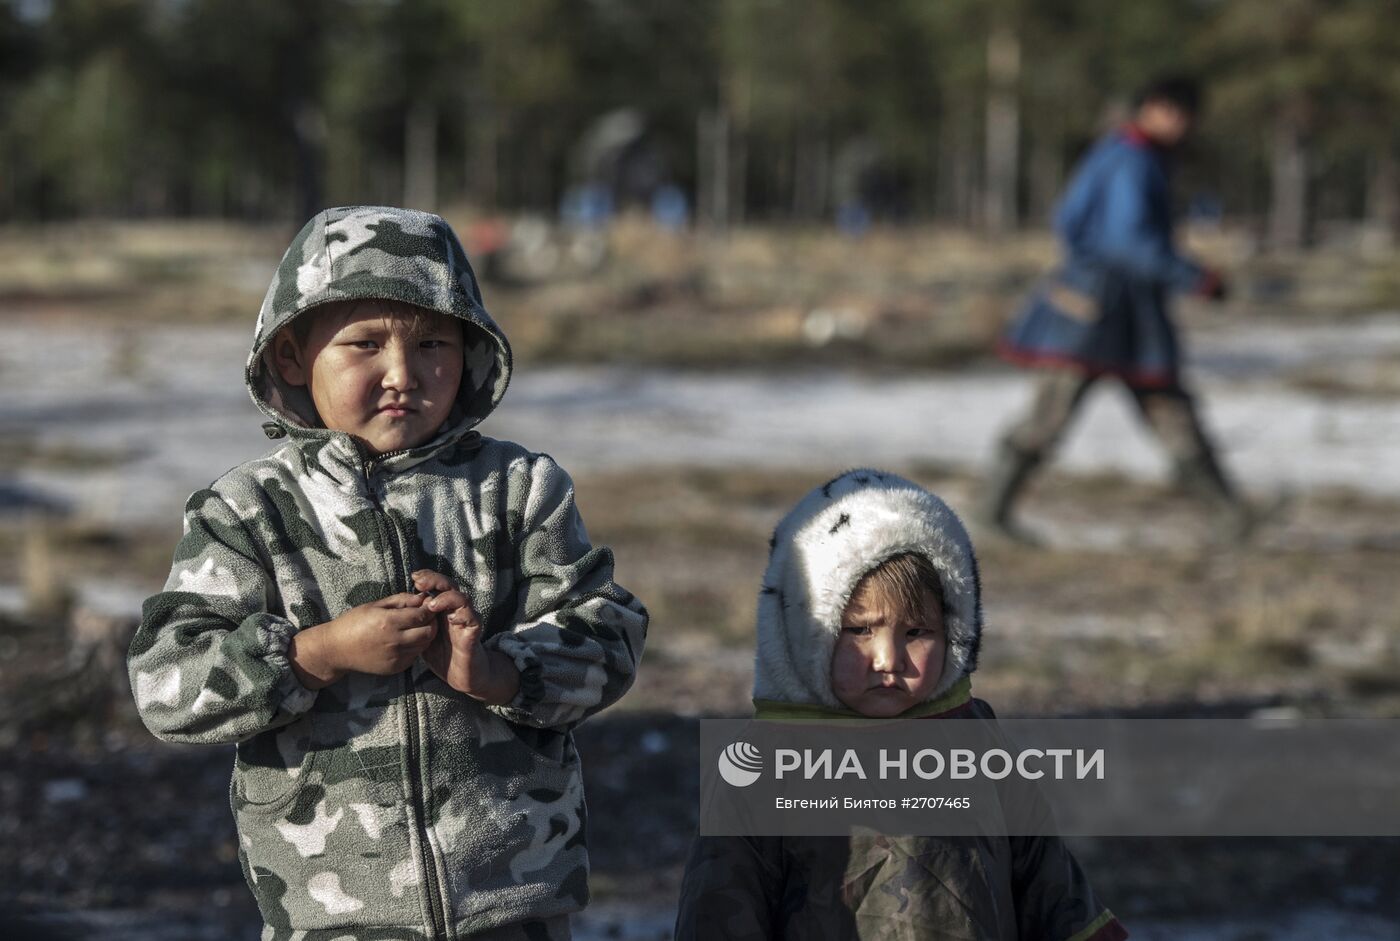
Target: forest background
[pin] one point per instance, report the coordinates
(739, 246)
(973, 109)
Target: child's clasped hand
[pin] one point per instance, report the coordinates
(437, 622)
(456, 653)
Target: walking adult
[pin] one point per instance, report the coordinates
(1106, 311)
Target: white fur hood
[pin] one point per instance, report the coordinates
(820, 551)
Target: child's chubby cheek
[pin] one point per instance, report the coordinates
(850, 672)
(882, 676)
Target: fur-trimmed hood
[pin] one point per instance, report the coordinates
(822, 549)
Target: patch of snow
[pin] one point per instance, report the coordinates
(174, 412)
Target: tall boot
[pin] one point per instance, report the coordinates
(1202, 477)
(1004, 484)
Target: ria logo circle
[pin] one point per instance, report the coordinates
(740, 764)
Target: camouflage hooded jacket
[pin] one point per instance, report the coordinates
(390, 806)
(869, 886)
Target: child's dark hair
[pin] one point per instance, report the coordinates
(1180, 90)
(902, 579)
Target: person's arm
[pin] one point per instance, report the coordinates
(1137, 227)
(1075, 207)
(1052, 895)
(577, 636)
(209, 663)
(731, 889)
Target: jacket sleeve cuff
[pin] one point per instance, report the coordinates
(524, 708)
(275, 637)
(1104, 928)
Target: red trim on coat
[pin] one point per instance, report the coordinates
(1136, 135)
(1160, 379)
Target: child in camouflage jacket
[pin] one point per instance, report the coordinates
(397, 620)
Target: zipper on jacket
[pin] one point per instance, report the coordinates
(399, 564)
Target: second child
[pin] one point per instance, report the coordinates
(871, 608)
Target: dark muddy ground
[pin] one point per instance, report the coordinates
(109, 833)
(118, 834)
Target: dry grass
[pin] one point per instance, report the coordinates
(691, 543)
(1378, 378)
(142, 271)
(1072, 630)
(1067, 630)
(914, 296)
(26, 452)
(78, 549)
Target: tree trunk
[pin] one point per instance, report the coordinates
(736, 201)
(1288, 219)
(1047, 173)
(483, 168)
(738, 109)
(811, 175)
(957, 197)
(1003, 130)
(926, 203)
(1382, 199)
(420, 157)
(712, 162)
(309, 131)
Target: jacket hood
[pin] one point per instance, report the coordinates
(819, 553)
(379, 253)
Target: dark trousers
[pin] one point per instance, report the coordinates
(1170, 413)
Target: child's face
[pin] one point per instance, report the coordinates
(887, 661)
(383, 372)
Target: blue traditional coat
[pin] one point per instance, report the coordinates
(1105, 310)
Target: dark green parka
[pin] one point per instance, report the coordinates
(868, 886)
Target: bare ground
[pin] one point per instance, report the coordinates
(1134, 612)
(99, 817)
